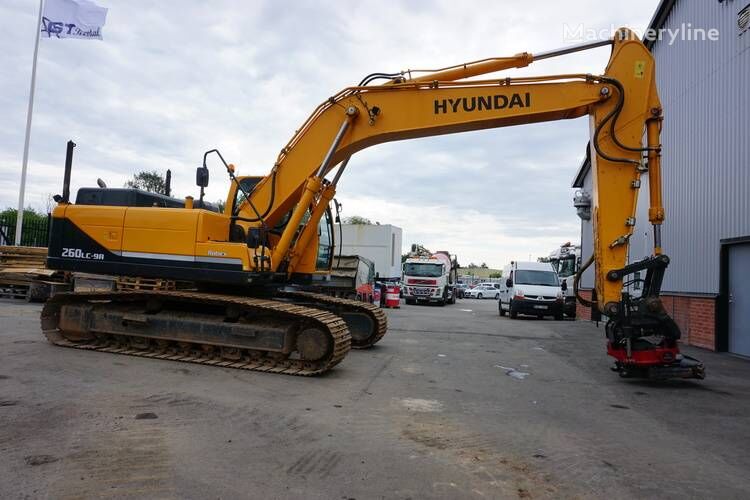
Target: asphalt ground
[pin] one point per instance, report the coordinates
(455, 402)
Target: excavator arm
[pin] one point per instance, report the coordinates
(625, 119)
(623, 104)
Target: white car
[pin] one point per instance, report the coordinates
(484, 291)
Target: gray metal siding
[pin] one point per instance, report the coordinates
(705, 90)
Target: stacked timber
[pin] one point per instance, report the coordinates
(141, 283)
(23, 273)
(22, 257)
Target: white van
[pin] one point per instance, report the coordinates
(531, 288)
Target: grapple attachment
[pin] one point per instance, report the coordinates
(641, 336)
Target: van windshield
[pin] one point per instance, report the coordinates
(423, 270)
(544, 278)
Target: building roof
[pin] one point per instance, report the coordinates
(657, 22)
(583, 170)
(658, 19)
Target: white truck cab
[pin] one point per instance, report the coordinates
(566, 259)
(430, 278)
(531, 288)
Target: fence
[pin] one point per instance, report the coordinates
(35, 231)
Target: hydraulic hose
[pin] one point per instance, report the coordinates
(378, 76)
(577, 278)
(341, 230)
(615, 111)
(613, 124)
(612, 118)
(270, 202)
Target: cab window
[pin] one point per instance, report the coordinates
(325, 242)
(248, 184)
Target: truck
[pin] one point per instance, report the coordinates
(566, 260)
(430, 277)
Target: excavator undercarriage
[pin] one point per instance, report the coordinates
(229, 331)
(367, 322)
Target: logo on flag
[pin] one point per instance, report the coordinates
(73, 19)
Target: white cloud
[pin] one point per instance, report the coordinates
(473, 235)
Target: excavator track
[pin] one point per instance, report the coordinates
(322, 335)
(367, 322)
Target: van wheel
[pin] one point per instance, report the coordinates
(500, 308)
(497, 296)
(512, 310)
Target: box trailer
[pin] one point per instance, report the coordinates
(379, 243)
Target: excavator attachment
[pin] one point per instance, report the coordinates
(641, 336)
(656, 361)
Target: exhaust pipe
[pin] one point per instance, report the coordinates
(68, 168)
(168, 183)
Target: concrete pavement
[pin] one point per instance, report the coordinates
(455, 402)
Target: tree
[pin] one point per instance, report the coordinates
(471, 265)
(484, 265)
(221, 204)
(357, 219)
(152, 181)
(29, 215)
(34, 227)
(498, 274)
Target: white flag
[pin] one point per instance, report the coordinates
(73, 19)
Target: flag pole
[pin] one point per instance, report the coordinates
(19, 215)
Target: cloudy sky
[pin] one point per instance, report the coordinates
(172, 79)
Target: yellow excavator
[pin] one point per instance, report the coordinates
(260, 264)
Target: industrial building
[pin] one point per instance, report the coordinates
(704, 86)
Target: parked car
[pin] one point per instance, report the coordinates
(531, 288)
(484, 291)
(461, 289)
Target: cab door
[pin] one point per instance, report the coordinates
(504, 292)
(325, 242)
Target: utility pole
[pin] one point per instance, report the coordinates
(22, 191)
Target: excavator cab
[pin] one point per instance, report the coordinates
(236, 203)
